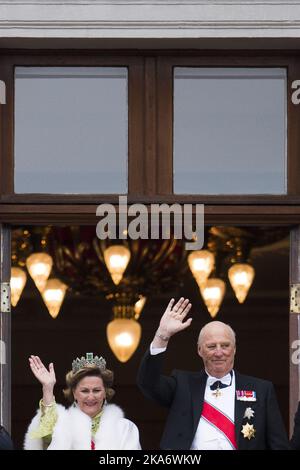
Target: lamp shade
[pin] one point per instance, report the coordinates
(213, 292)
(123, 335)
(18, 280)
(53, 296)
(138, 307)
(201, 263)
(39, 266)
(116, 258)
(241, 276)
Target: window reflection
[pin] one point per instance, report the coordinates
(71, 130)
(230, 131)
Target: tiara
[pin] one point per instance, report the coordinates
(88, 361)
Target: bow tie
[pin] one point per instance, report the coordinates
(214, 382)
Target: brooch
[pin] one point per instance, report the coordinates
(249, 413)
(248, 431)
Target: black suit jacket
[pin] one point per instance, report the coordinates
(183, 393)
(295, 441)
(5, 440)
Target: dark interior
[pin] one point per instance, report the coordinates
(261, 324)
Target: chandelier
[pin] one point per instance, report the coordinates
(127, 272)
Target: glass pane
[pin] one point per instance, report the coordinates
(71, 130)
(230, 131)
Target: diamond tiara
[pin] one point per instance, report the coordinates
(88, 361)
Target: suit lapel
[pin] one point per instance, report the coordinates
(239, 409)
(198, 383)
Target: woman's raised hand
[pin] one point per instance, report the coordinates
(45, 377)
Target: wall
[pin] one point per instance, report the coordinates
(149, 19)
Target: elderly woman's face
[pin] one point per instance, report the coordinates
(90, 395)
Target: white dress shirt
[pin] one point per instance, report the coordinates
(154, 351)
(208, 437)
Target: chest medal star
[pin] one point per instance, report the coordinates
(248, 431)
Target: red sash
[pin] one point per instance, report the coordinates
(92, 445)
(220, 421)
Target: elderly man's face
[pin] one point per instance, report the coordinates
(217, 349)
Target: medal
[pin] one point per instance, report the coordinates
(217, 393)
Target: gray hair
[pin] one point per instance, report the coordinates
(204, 328)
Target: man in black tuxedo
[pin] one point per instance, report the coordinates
(216, 408)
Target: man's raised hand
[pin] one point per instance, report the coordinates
(172, 320)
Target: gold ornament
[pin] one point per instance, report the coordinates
(248, 431)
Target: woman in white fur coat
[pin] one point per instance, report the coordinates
(90, 423)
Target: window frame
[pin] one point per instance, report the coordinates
(136, 171)
(150, 138)
(165, 123)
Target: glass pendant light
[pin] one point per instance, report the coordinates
(53, 296)
(39, 266)
(213, 292)
(123, 335)
(201, 263)
(138, 307)
(241, 277)
(123, 332)
(17, 283)
(116, 258)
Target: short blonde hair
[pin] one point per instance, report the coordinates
(73, 379)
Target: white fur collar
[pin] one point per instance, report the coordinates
(73, 431)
